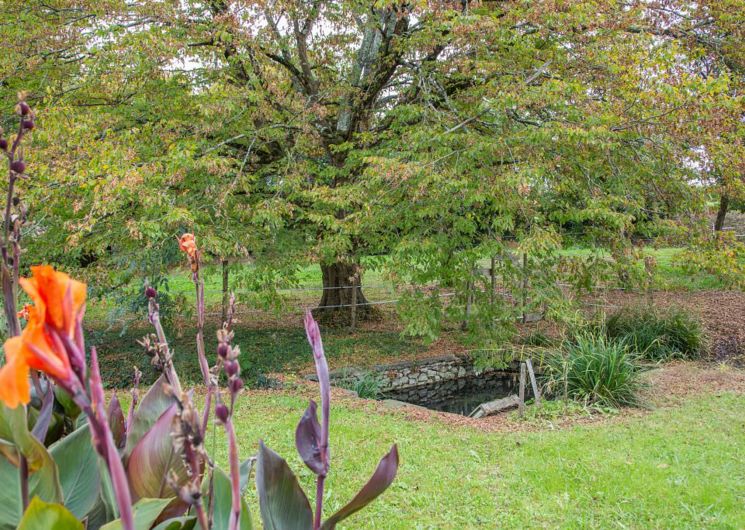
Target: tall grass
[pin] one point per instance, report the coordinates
(657, 334)
(594, 370)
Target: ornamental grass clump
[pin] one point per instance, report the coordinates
(594, 370)
(83, 461)
(657, 334)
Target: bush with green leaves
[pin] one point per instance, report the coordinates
(367, 385)
(657, 334)
(593, 369)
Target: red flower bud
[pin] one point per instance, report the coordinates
(19, 166)
(223, 349)
(231, 368)
(236, 385)
(24, 108)
(150, 292)
(3, 144)
(28, 124)
(221, 411)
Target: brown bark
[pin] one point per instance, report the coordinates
(342, 287)
(722, 212)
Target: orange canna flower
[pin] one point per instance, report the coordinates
(24, 312)
(59, 303)
(188, 244)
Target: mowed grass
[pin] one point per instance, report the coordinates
(680, 467)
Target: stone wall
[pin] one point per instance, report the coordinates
(407, 374)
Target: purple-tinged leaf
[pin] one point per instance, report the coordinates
(378, 483)
(322, 369)
(45, 414)
(308, 440)
(152, 460)
(282, 501)
(116, 422)
(153, 404)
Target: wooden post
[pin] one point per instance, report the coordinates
(354, 280)
(525, 286)
(493, 273)
(467, 317)
(225, 289)
(521, 406)
(533, 383)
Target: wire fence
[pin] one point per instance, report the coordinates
(298, 306)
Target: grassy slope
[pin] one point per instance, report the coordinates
(673, 468)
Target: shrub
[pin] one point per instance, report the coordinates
(367, 386)
(655, 334)
(594, 370)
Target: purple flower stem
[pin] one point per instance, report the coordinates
(95, 410)
(193, 460)
(235, 476)
(322, 369)
(23, 471)
(169, 370)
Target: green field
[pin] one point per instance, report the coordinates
(680, 467)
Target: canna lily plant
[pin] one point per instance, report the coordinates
(69, 459)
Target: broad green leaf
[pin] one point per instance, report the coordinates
(222, 498)
(145, 512)
(65, 400)
(178, 523)
(282, 501)
(77, 463)
(43, 476)
(47, 516)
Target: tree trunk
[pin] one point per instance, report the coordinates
(722, 212)
(341, 287)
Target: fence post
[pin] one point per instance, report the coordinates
(525, 287)
(467, 317)
(533, 383)
(225, 289)
(493, 273)
(521, 405)
(354, 280)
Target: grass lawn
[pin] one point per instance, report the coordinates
(680, 467)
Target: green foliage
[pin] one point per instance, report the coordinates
(145, 512)
(594, 370)
(556, 410)
(722, 257)
(44, 480)
(44, 516)
(222, 497)
(657, 334)
(367, 385)
(78, 470)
